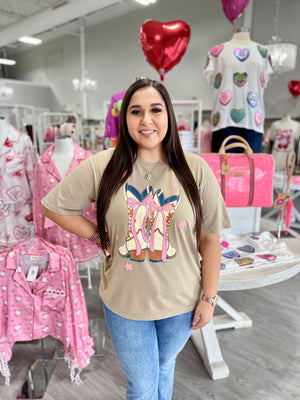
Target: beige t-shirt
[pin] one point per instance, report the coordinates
(154, 271)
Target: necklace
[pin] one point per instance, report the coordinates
(149, 172)
(148, 175)
(149, 167)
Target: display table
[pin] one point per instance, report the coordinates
(280, 187)
(205, 339)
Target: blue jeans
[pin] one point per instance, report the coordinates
(147, 351)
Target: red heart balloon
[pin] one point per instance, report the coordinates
(164, 43)
(234, 8)
(294, 87)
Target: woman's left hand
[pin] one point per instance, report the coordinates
(203, 315)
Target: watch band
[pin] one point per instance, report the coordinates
(211, 300)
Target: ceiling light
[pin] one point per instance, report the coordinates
(145, 2)
(283, 54)
(7, 61)
(30, 40)
(85, 85)
(5, 91)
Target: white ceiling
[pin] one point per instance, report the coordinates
(50, 19)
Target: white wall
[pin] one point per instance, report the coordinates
(114, 56)
(28, 93)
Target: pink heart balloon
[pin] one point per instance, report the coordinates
(233, 8)
(164, 43)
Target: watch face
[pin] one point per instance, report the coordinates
(210, 300)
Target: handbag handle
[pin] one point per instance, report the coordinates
(248, 152)
(234, 145)
(290, 165)
(240, 143)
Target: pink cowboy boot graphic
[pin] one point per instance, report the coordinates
(137, 241)
(161, 214)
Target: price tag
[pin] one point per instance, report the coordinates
(225, 166)
(32, 273)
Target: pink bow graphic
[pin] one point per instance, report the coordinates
(160, 210)
(135, 205)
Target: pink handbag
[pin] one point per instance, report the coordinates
(245, 179)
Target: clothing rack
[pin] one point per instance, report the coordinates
(191, 110)
(20, 115)
(46, 119)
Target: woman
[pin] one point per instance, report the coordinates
(159, 214)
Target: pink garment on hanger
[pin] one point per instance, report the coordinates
(53, 304)
(17, 160)
(51, 133)
(46, 177)
(183, 124)
(206, 137)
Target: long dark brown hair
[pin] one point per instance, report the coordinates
(121, 163)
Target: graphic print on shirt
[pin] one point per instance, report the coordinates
(161, 214)
(143, 207)
(283, 139)
(137, 241)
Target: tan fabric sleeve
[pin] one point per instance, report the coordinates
(75, 192)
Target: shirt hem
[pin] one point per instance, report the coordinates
(251, 128)
(152, 317)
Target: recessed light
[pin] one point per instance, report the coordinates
(145, 2)
(30, 40)
(7, 61)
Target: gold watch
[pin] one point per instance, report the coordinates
(211, 300)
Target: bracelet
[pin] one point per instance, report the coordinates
(211, 300)
(95, 238)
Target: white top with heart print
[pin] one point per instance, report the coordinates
(239, 73)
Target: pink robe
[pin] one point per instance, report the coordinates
(46, 177)
(51, 304)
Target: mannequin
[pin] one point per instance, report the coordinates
(286, 118)
(63, 153)
(239, 71)
(241, 37)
